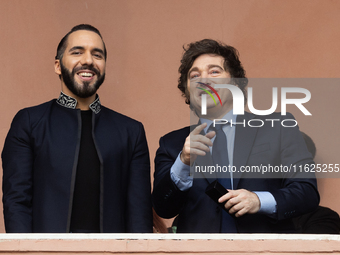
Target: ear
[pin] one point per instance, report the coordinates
(57, 68)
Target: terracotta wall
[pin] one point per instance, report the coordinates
(276, 39)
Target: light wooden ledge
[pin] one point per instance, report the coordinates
(169, 243)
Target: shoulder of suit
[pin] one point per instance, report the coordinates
(39, 108)
(178, 134)
(31, 115)
(36, 111)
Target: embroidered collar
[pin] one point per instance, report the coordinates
(70, 102)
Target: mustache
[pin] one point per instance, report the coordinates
(207, 85)
(85, 67)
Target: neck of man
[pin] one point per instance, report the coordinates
(215, 112)
(82, 103)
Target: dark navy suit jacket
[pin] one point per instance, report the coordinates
(295, 193)
(40, 159)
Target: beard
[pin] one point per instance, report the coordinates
(85, 90)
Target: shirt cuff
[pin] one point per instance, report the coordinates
(268, 202)
(180, 174)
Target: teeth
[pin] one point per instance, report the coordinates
(86, 74)
(203, 92)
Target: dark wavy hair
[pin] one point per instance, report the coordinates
(232, 64)
(63, 43)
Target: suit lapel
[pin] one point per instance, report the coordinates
(244, 140)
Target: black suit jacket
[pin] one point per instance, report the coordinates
(40, 159)
(295, 193)
(323, 220)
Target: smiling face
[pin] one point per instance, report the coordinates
(82, 66)
(209, 69)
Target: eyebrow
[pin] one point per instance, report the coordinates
(82, 48)
(76, 48)
(209, 67)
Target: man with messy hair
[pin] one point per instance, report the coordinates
(252, 205)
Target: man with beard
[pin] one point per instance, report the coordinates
(71, 164)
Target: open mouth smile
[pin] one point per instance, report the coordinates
(86, 75)
(205, 91)
(210, 91)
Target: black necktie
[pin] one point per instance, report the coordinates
(220, 157)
